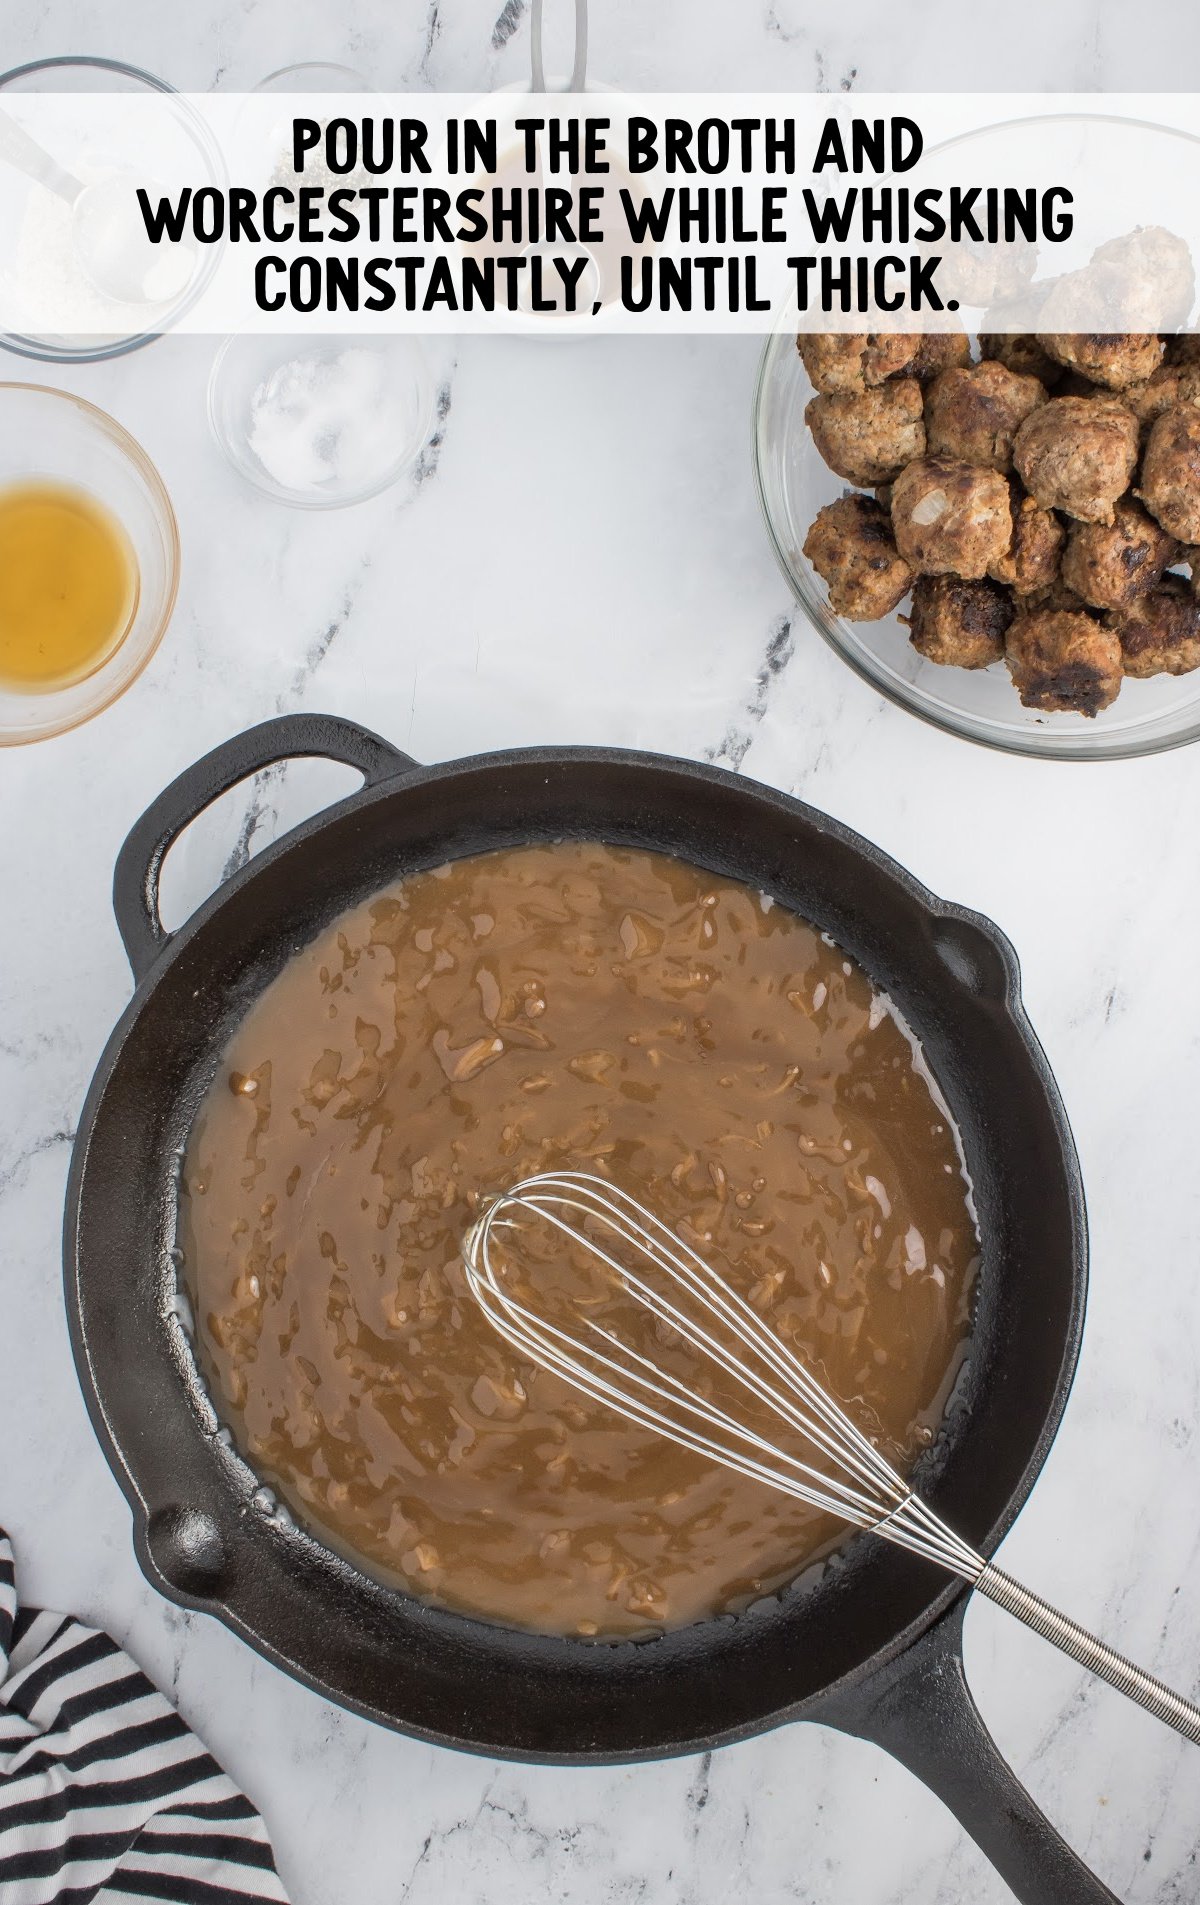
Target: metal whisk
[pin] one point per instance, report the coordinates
(638, 1256)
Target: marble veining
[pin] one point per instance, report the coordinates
(578, 557)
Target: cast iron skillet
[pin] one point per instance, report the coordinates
(874, 1647)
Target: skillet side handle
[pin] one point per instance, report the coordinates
(920, 1710)
(290, 737)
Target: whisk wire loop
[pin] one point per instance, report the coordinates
(862, 1488)
(711, 1346)
(644, 1259)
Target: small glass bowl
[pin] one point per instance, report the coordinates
(49, 434)
(87, 73)
(980, 704)
(242, 372)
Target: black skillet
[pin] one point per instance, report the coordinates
(875, 1647)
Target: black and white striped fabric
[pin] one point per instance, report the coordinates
(104, 1794)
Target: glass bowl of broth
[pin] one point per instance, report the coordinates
(89, 561)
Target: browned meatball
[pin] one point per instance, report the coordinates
(960, 624)
(889, 354)
(940, 350)
(1021, 351)
(867, 437)
(833, 359)
(1106, 358)
(1110, 565)
(1148, 276)
(1063, 660)
(853, 360)
(1077, 454)
(974, 414)
(1032, 559)
(1171, 384)
(950, 518)
(1170, 486)
(1160, 633)
(1184, 349)
(851, 547)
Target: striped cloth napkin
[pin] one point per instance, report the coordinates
(104, 1794)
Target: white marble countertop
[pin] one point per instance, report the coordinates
(584, 562)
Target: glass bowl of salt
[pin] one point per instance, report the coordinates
(321, 422)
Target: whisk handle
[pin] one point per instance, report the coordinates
(1091, 1653)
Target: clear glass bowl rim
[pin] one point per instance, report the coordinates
(266, 485)
(31, 347)
(164, 510)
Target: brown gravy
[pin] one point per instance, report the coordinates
(584, 1006)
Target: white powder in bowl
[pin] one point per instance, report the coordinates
(320, 423)
(45, 291)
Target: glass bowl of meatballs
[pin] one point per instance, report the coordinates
(1001, 533)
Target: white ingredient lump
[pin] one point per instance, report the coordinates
(323, 423)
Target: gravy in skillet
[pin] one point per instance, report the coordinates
(578, 1006)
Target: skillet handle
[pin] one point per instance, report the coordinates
(290, 737)
(920, 1710)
